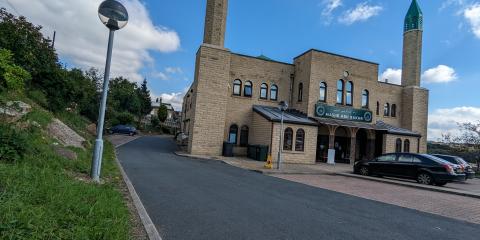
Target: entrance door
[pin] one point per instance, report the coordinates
(378, 144)
(322, 144)
(342, 145)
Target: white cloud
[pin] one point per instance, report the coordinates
(444, 121)
(173, 70)
(328, 7)
(392, 75)
(448, 3)
(439, 74)
(176, 99)
(361, 12)
(472, 15)
(82, 39)
(160, 75)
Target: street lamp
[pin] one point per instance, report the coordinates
(115, 16)
(283, 106)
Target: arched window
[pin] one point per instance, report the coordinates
(288, 139)
(300, 92)
(340, 88)
(247, 90)
(386, 110)
(237, 87)
(300, 140)
(378, 108)
(244, 136)
(398, 145)
(232, 134)
(365, 99)
(349, 94)
(394, 110)
(264, 91)
(274, 93)
(323, 92)
(406, 146)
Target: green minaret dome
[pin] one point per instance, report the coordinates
(414, 18)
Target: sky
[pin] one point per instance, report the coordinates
(162, 37)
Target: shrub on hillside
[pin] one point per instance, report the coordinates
(123, 118)
(13, 144)
(12, 76)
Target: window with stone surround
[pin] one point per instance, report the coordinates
(394, 110)
(244, 136)
(237, 87)
(406, 146)
(247, 90)
(300, 92)
(274, 93)
(300, 140)
(323, 92)
(288, 139)
(349, 94)
(386, 110)
(264, 91)
(340, 90)
(365, 99)
(398, 145)
(232, 134)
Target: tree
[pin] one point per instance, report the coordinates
(162, 113)
(145, 100)
(468, 140)
(30, 49)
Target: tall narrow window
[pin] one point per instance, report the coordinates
(378, 108)
(244, 136)
(394, 110)
(300, 140)
(406, 146)
(365, 99)
(288, 139)
(323, 92)
(264, 91)
(237, 87)
(300, 92)
(398, 145)
(340, 88)
(349, 94)
(232, 134)
(247, 90)
(386, 110)
(274, 93)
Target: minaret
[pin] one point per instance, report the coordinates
(415, 98)
(412, 46)
(215, 22)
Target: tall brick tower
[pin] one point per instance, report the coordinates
(210, 88)
(215, 22)
(415, 98)
(412, 46)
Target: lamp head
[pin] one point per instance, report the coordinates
(113, 14)
(283, 106)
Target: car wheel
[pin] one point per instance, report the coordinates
(440, 183)
(364, 171)
(424, 178)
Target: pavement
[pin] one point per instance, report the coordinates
(190, 198)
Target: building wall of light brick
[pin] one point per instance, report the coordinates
(308, 156)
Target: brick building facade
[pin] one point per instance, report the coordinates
(337, 104)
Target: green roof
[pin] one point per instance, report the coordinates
(414, 18)
(263, 57)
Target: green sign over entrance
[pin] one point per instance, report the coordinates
(343, 113)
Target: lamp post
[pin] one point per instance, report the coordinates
(283, 106)
(115, 16)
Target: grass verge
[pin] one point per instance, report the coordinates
(45, 196)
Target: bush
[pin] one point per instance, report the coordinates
(39, 97)
(154, 122)
(12, 76)
(124, 118)
(13, 144)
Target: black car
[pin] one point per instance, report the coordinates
(426, 169)
(123, 129)
(459, 161)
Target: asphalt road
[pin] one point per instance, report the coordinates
(198, 199)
